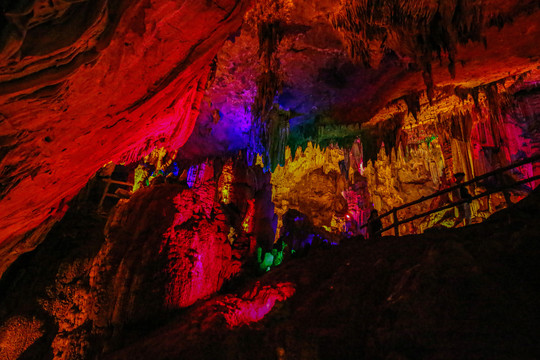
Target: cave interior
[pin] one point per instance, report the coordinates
(270, 179)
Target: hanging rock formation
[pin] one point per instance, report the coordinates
(78, 91)
(421, 89)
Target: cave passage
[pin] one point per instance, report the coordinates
(273, 179)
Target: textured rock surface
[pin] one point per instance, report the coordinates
(17, 334)
(51, 285)
(466, 293)
(162, 250)
(83, 83)
(90, 82)
(311, 183)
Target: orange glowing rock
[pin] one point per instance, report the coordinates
(17, 334)
(142, 87)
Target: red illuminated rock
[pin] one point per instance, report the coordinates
(396, 298)
(164, 249)
(86, 83)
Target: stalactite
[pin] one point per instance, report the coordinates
(413, 104)
(268, 18)
(463, 93)
(427, 27)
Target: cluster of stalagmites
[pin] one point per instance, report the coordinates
(473, 131)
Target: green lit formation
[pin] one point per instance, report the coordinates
(269, 259)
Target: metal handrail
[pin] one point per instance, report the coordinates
(394, 211)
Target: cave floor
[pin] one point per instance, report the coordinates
(468, 293)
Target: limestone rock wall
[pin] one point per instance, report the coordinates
(87, 82)
(473, 131)
(165, 248)
(310, 183)
(468, 293)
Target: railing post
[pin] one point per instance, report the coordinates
(396, 225)
(107, 180)
(472, 182)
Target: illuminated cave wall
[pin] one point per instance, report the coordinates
(212, 231)
(311, 183)
(166, 247)
(473, 131)
(420, 144)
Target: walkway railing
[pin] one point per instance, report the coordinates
(394, 211)
(106, 192)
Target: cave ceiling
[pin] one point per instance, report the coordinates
(320, 78)
(83, 83)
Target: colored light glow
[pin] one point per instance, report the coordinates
(198, 174)
(267, 262)
(338, 225)
(176, 170)
(140, 177)
(255, 304)
(192, 175)
(232, 235)
(259, 161)
(278, 257)
(271, 259)
(247, 224)
(199, 254)
(225, 182)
